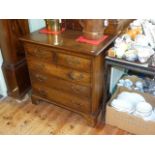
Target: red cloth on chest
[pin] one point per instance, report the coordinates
(93, 42)
(45, 31)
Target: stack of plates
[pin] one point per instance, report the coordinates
(134, 103)
(133, 98)
(122, 105)
(144, 110)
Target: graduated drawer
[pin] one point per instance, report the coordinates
(62, 98)
(39, 52)
(82, 64)
(59, 57)
(58, 71)
(59, 84)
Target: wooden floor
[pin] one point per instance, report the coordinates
(26, 118)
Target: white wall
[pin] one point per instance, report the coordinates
(36, 24)
(116, 74)
(3, 88)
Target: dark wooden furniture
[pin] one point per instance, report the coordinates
(70, 75)
(110, 62)
(72, 24)
(14, 64)
(115, 25)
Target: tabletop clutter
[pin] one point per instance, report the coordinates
(145, 85)
(137, 44)
(134, 103)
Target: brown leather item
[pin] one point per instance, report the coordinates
(92, 28)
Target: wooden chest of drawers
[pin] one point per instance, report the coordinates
(70, 75)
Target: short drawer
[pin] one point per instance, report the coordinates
(56, 56)
(74, 62)
(58, 71)
(59, 84)
(62, 98)
(39, 52)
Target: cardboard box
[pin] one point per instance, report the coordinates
(127, 121)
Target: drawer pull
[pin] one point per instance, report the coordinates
(42, 92)
(74, 76)
(38, 53)
(55, 57)
(75, 89)
(41, 78)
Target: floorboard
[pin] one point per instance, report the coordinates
(25, 118)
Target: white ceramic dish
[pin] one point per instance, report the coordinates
(143, 115)
(131, 55)
(122, 105)
(151, 117)
(143, 107)
(134, 98)
(141, 40)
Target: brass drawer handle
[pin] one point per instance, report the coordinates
(41, 78)
(77, 104)
(38, 53)
(55, 57)
(42, 92)
(75, 89)
(74, 76)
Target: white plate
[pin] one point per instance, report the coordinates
(144, 107)
(121, 104)
(133, 98)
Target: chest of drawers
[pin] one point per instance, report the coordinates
(70, 75)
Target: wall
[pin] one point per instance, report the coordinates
(36, 24)
(116, 74)
(3, 88)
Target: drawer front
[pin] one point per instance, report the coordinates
(74, 62)
(59, 84)
(62, 98)
(58, 71)
(40, 52)
(56, 56)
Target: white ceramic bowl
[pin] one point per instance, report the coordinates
(141, 40)
(130, 55)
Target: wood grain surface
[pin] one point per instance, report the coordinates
(25, 118)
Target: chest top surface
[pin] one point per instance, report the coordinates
(68, 42)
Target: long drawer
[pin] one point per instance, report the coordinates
(60, 97)
(59, 84)
(58, 71)
(59, 57)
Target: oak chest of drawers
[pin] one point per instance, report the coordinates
(69, 75)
